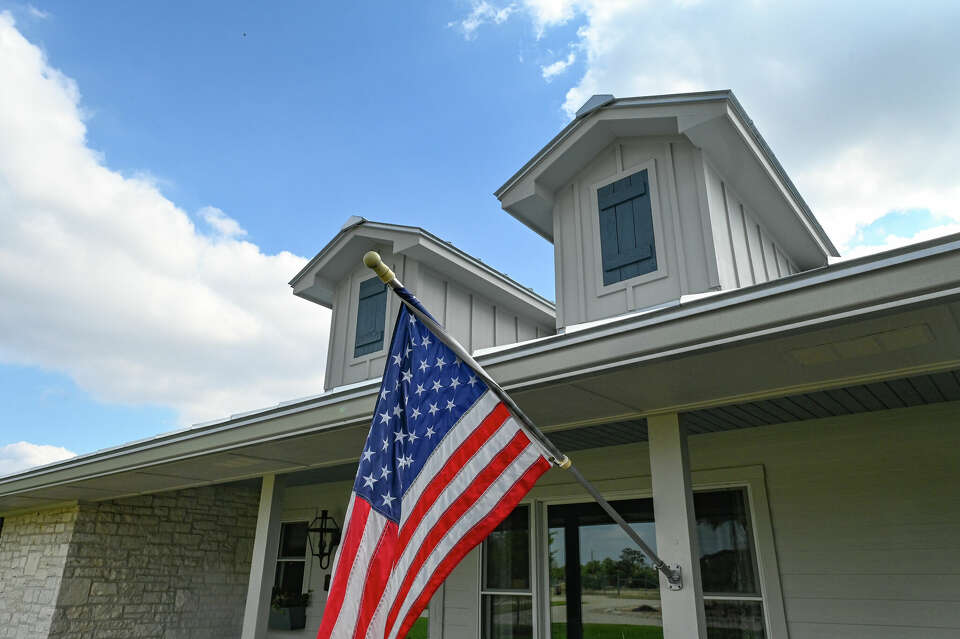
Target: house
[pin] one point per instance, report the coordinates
(783, 429)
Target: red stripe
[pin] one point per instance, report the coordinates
(490, 424)
(477, 534)
(341, 572)
(378, 574)
(467, 498)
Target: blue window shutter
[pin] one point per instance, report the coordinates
(627, 244)
(371, 317)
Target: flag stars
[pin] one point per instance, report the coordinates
(407, 375)
(433, 409)
(472, 380)
(440, 363)
(384, 393)
(385, 472)
(369, 481)
(407, 350)
(420, 390)
(454, 383)
(388, 500)
(437, 385)
(397, 359)
(450, 405)
(423, 365)
(384, 417)
(386, 444)
(425, 341)
(397, 411)
(412, 437)
(367, 454)
(430, 432)
(399, 436)
(415, 413)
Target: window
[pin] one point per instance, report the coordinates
(371, 317)
(291, 560)
(506, 596)
(600, 585)
(627, 245)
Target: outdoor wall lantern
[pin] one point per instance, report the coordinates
(323, 535)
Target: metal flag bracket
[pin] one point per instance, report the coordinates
(373, 261)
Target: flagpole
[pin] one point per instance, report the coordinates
(373, 261)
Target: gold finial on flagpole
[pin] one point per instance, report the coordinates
(373, 261)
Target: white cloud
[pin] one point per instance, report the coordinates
(224, 225)
(38, 13)
(105, 279)
(22, 455)
(558, 67)
(483, 13)
(859, 106)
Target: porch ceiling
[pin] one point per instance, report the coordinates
(735, 359)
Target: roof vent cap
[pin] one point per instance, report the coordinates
(353, 220)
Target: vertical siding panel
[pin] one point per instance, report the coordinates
(726, 269)
(505, 331)
(461, 617)
(482, 323)
(782, 267)
(769, 257)
(525, 330)
(738, 238)
(432, 294)
(753, 244)
(458, 313)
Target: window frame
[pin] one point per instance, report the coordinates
(535, 596)
(656, 212)
(751, 479)
(291, 560)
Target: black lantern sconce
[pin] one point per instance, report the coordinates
(323, 535)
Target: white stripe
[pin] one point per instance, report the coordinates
(451, 441)
(452, 491)
(480, 509)
(350, 610)
(346, 520)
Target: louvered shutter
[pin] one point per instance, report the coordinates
(626, 229)
(371, 317)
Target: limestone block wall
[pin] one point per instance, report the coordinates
(33, 553)
(166, 566)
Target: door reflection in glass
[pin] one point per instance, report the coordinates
(600, 584)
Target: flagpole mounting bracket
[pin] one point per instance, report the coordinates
(674, 578)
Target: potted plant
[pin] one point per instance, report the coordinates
(288, 611)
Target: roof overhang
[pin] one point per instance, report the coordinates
(879, 317)
(713, 121)
(317, 281)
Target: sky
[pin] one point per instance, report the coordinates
(165, 170)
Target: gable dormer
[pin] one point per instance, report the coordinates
(479, 306)
(649, 199)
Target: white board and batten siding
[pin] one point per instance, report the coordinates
(474, 320)
(706, 236)
(746, 254)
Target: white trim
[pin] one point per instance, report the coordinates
(662, 270)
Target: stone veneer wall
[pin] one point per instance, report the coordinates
(33, 553)
(167, 566)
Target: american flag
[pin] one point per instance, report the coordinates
(443, 465)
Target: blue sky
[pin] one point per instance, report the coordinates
(204, 152)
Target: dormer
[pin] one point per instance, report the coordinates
(648, 199)
(479, 306)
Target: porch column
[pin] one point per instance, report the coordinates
(683, 616)
(266, 543)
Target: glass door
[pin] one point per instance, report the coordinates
(600, 584)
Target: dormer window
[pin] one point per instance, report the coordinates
(371, 317)
(627, 245)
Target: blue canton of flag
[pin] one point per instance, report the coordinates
(444, 463)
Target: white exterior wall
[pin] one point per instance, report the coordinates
(746, 254)
(865, 515)
(707, 237)
(474, 321)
